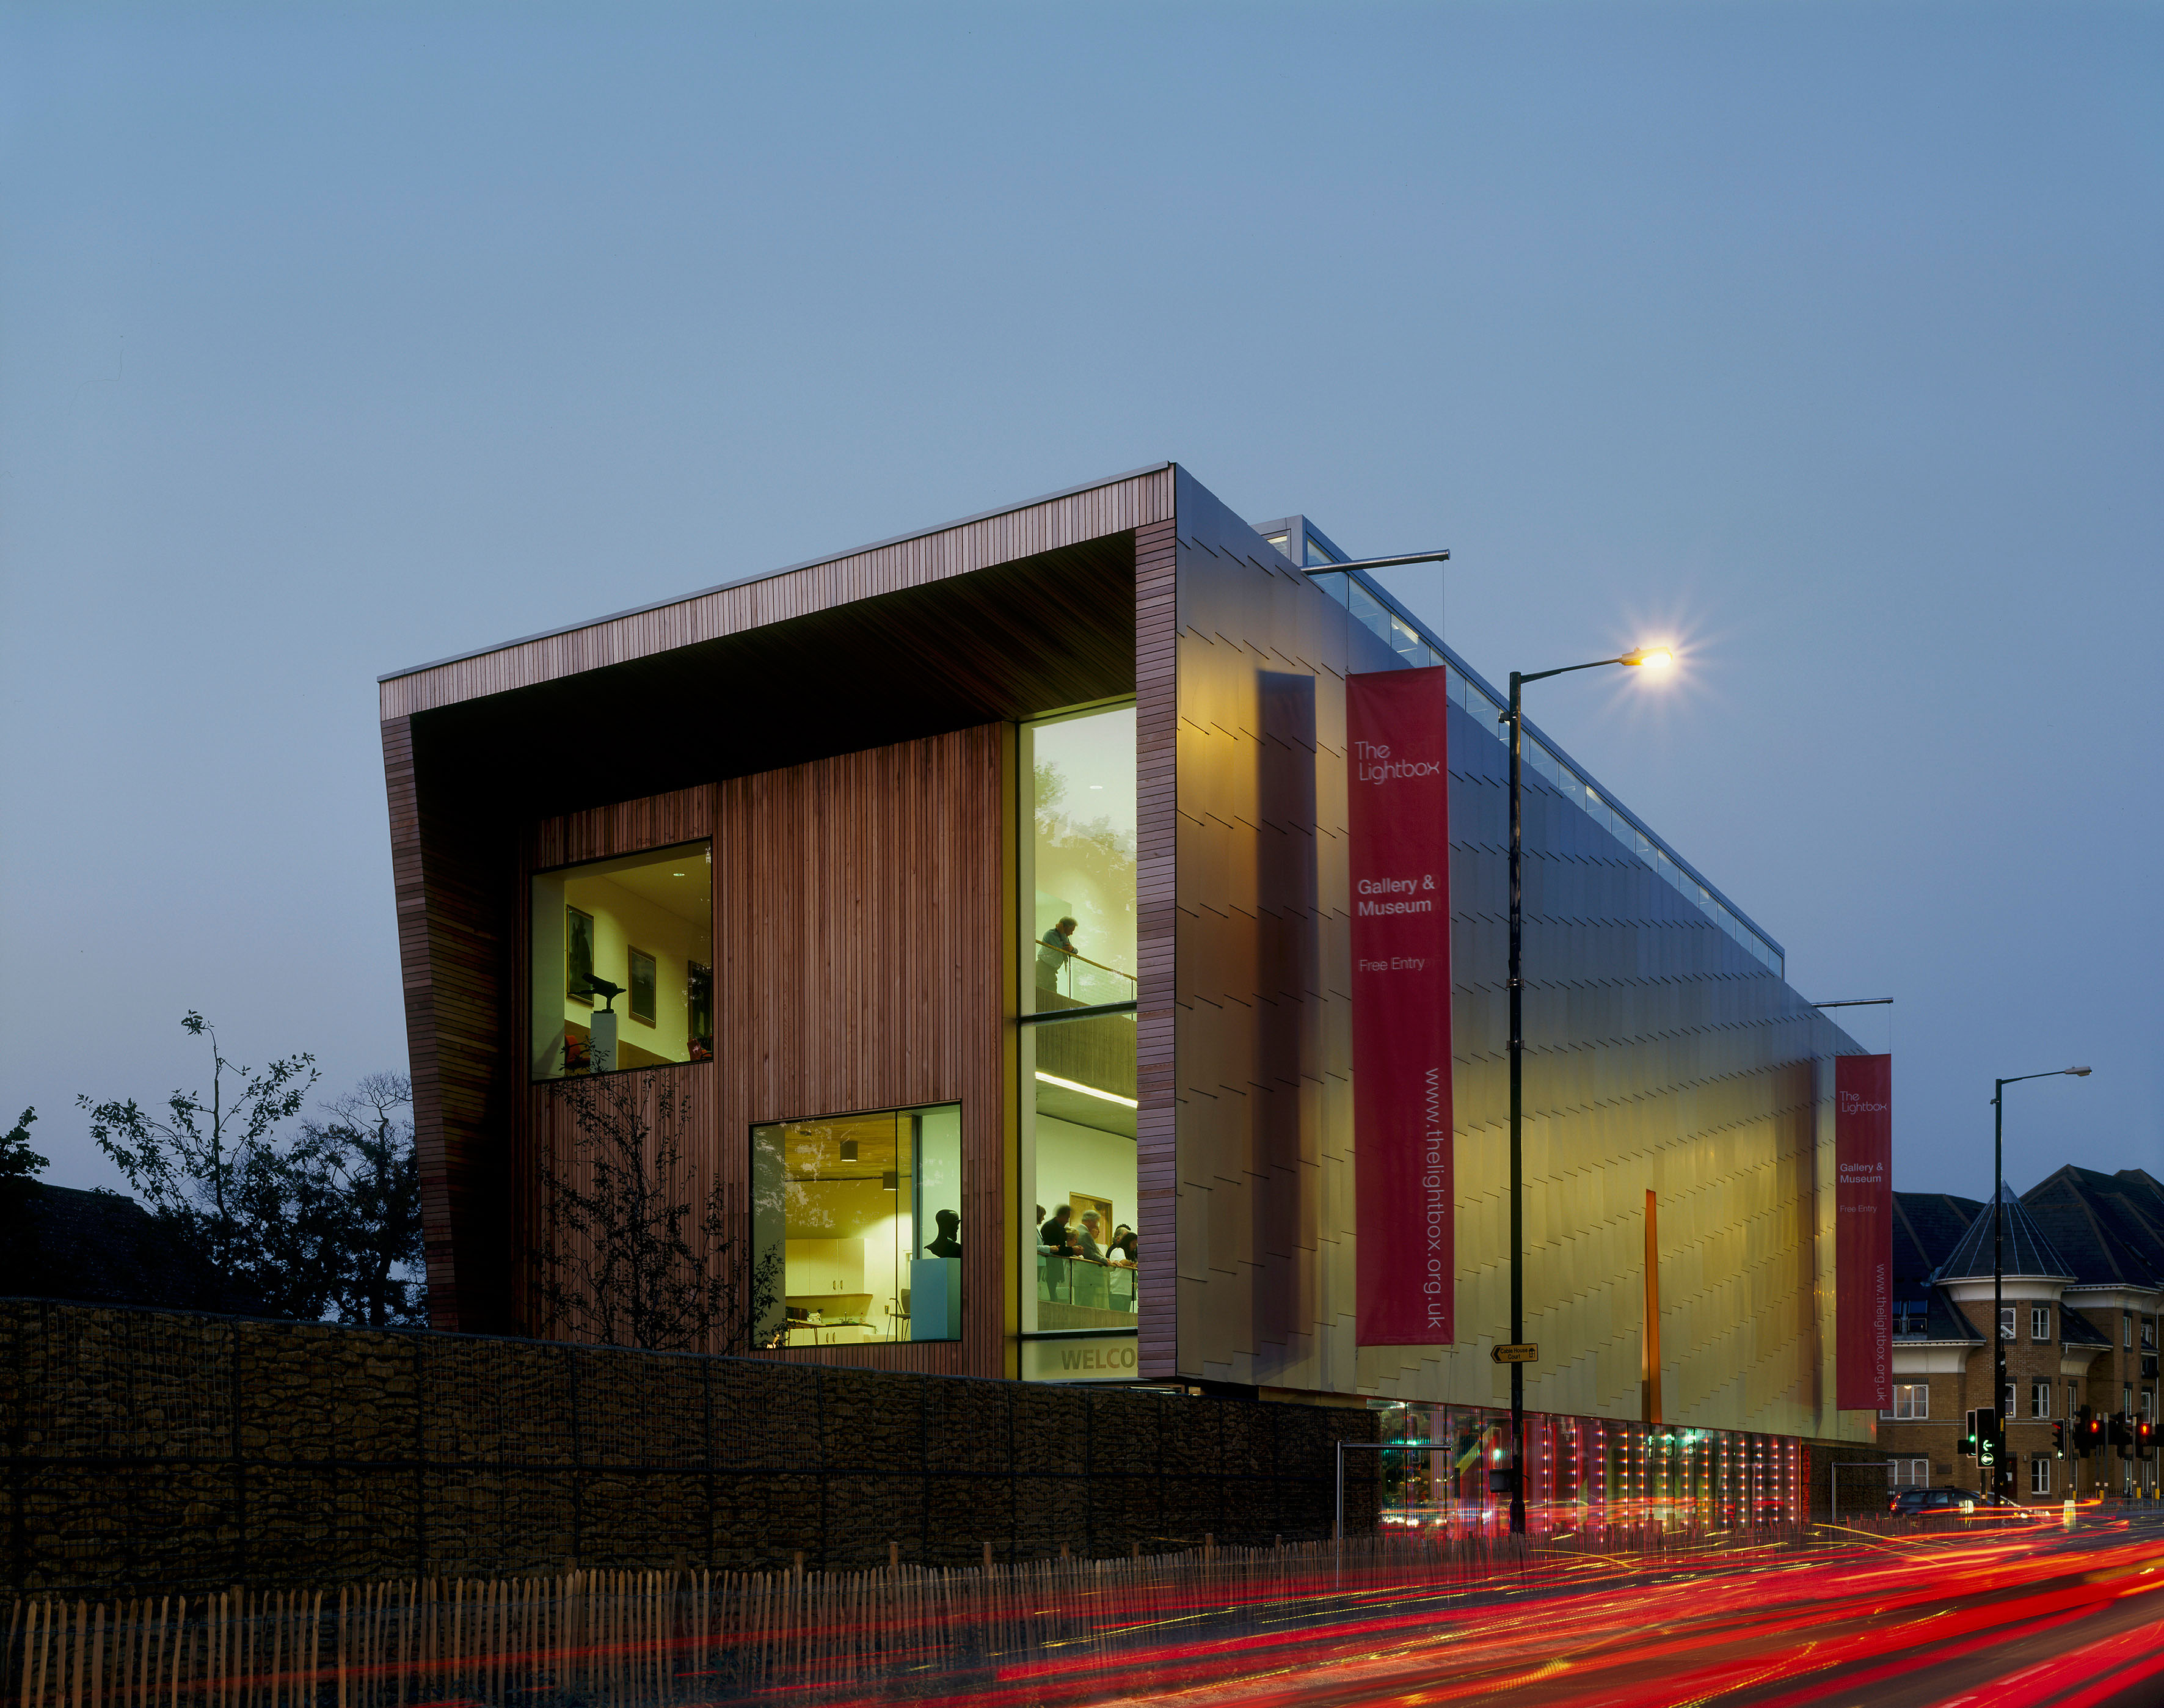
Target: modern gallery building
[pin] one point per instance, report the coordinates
(979, 898)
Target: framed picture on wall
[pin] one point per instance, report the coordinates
(1081, 1202)
(578, 954)
(642, 982)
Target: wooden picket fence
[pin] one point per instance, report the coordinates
(620, 1639)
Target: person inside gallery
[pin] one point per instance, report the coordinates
(1056, 1237)
(1091, 1226)
(1124, 1252)
(1054, 949)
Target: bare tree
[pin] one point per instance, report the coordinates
(362, 1161)
(619, 1266)
(215, 1172)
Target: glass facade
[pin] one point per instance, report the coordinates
(622, 963)
(866, 1212)
(1080, 925)
(1081, 1229)
(1580, 1469)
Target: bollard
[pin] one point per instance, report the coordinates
(2066, 1513)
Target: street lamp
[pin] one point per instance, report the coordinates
(1999, 1473)
(1656, 657)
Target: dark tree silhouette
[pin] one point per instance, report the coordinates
(214, 1171)
(619, 1265)
(361, 1162)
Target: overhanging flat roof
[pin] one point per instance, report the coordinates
(990, 537)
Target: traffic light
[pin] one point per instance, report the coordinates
(2058, 1441)
(1968, 1438)
(2122, 1434)
(2145, 1438)
(1990, 1445)
(2088, 1433)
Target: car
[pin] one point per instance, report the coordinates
(1912, 1503)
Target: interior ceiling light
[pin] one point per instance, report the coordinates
(1086, 1090)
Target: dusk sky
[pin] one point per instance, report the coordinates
(1826, 341)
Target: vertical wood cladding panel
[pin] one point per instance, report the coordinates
(858, 924)
(858, 909)
(1156, 716)
(451, 873)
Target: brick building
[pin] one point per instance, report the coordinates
(2079, 1312)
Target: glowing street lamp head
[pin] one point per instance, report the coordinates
(1659, 657)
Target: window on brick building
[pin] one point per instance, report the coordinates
(2040, 1399)
(2006, 1322)
(2039, 1323)
(1912, 1402)
(2040, 1476)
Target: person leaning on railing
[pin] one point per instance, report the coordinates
(1054, 949)
(1056, 1237)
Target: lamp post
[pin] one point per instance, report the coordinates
(1999, 1474)
(1658, 657)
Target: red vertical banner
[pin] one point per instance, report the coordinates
(1863, 1232)
(1398, 790)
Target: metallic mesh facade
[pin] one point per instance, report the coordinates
(1660, 1054)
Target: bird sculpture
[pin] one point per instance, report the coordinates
(603, 989)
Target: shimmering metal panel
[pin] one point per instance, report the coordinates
(1661, 1055)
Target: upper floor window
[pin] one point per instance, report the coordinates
(1912, 1401)
(2128, 1320)
(1911, 1317)
(2039, 1323)
(2040, 1399)
(1079, 848)
(622, 954)
(2006, 1322)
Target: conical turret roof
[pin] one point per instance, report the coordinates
(2025, 1250)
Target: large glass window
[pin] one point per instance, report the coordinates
(1080, 850)
(866, 1211)
(1081, 1227)
(622, 954)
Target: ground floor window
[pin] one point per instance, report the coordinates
(1084, 1253)
(2040, 1476)
(1451, 1471)
(866, 1211)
